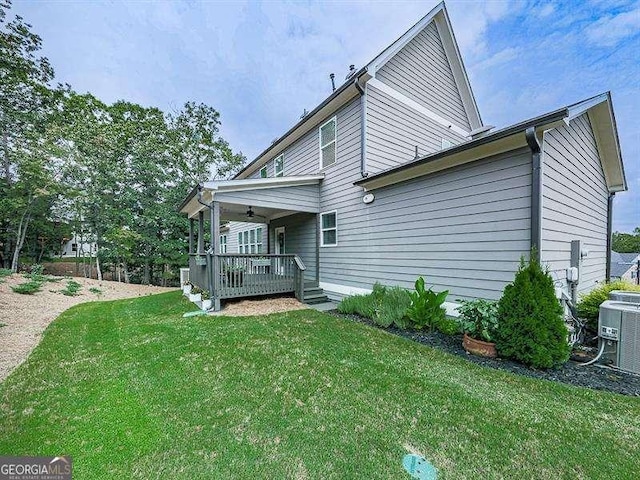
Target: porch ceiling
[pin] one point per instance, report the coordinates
(268, 198)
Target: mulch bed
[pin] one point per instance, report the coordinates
(591, 376)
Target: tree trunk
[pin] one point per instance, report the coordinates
(126, 272)
(20, 236)
(145, 275)
(98, 270)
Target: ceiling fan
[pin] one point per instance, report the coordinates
(251, 214)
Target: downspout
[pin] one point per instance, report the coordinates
(536, 191)
(609, 234)
(363, 120)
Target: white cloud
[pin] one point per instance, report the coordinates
(546, 10)
(608, 31)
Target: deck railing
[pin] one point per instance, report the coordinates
(247, 275)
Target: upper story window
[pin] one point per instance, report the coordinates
(250, 241)
(329, 228)
(279, 166)
(328, 143)
(263, 172)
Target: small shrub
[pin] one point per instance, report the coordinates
(206, 295)
(195, 290)
(589, 305)
(426, 306)
(96, 291)
(72, 288)
(479, 318)
(385, 306)
(392, 308)
(357, 304)
(28, 288)
(5, 272)
(447, 325)
(531, 328)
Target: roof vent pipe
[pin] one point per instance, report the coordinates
(352, 71)
(332, 76)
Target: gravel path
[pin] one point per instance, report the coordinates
(592, 376)
(25, 317)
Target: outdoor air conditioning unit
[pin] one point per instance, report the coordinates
(624, 296)
(619, 328)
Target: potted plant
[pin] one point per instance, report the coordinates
(186, 287)
(479, 321)
(196, 294)
(206, 300)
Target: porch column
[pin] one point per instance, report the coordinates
(200, 232)
(215, 245)
(191, 236)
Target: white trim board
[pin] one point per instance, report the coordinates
(386, 89)
(450, 307)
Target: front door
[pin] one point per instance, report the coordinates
(280, 249)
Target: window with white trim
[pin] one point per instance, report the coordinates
(327, 133)
(223, 243)
(279, 166)
(263, 172)
(329, 229)
(250, 241)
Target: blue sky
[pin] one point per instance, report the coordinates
(261, 63)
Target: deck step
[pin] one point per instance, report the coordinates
(313, 295)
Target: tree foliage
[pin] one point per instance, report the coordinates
(111, 174)
(626, 242)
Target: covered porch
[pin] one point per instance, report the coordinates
(283, 212)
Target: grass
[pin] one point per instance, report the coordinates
(134, 386)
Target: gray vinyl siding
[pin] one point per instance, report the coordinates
(395, 129)
(422, 72)
(300, 238)
(236, 227)
(574, 202)
(463, 229)
(303, 197)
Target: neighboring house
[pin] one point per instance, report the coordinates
(77, 247)
(394, 176)
(624, 266)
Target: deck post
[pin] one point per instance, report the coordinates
(215, 247)
(201, 232)
(191, 221)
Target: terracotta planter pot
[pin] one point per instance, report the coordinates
(478, 347)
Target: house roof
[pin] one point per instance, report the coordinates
(348, 90)
(621, 262)
(600, 111)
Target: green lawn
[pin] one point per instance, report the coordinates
(131, 389)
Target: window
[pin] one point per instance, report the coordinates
(329, 228)
(250, 241)
(279, 166)
(263, 172)
(223, 244)
(328, 143)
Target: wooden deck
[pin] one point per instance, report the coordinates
(247, 275)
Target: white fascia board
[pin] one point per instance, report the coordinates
(578, 109)
(384, 88)
(451, 50)
(399, 44)
(260, 183)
